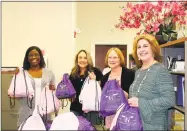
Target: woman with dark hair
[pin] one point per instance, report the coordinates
(38, 52)
(34, 67)
(83, 67)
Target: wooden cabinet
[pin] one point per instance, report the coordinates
(174, 48)
(9, 115)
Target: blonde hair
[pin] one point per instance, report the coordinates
(76, 69)
(155, 47)
(119, 53)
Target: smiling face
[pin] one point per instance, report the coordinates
(82, 60)
(113, 60)
(144, 51)
(34, 58)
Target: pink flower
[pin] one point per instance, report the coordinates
(156, 27)
(151, 16)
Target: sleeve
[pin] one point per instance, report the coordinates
(52, 78)
(131, 75)
(167, 95)
(130, 80)
(103, 81)
(73, 81)
(127, 79)
(98, 74)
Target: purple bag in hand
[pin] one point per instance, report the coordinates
(129, 119)
(111, 98)
(84, 124)
(65, 88)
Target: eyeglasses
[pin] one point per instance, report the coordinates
(114, 58)
(34, 55)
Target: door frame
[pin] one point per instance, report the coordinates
(92, 52)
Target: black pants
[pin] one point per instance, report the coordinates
(93, 117)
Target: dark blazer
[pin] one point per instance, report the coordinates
(127, 77)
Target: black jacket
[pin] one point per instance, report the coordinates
(77, 83)
(127, 77)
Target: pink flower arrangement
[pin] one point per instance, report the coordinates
(156, 17)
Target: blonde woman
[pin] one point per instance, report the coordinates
(115, 60)
(152, 90)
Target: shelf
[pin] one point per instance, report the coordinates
(7, 72)
(176, 43)
(177, 72)
(180, 108)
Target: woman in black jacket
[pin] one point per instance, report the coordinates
(115, 60)
(83, 67)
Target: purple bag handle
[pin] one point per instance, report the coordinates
(65, 77)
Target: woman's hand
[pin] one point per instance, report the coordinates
(92, 75)
(133, 102)
(52, 87)
(126, 94)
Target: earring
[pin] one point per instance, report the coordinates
(139, 59)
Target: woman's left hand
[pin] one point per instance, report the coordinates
(92, 75)
(133, 102)
(51, 87)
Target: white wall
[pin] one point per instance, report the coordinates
(96, 21)
(48, 25)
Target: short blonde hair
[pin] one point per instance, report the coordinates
(119, 53)
(155, 47)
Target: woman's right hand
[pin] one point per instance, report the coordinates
(126, 94)
(92, 75)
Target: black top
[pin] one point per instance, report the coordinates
(77, 83)
(127, 77)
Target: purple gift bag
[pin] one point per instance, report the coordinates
(84, 124)
(65, 88)
(111, 98)
(129, 119)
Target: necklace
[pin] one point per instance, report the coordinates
(139, 86)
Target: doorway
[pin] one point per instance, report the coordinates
(100, 53)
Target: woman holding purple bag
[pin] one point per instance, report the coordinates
(115, 60)
(152, 90)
